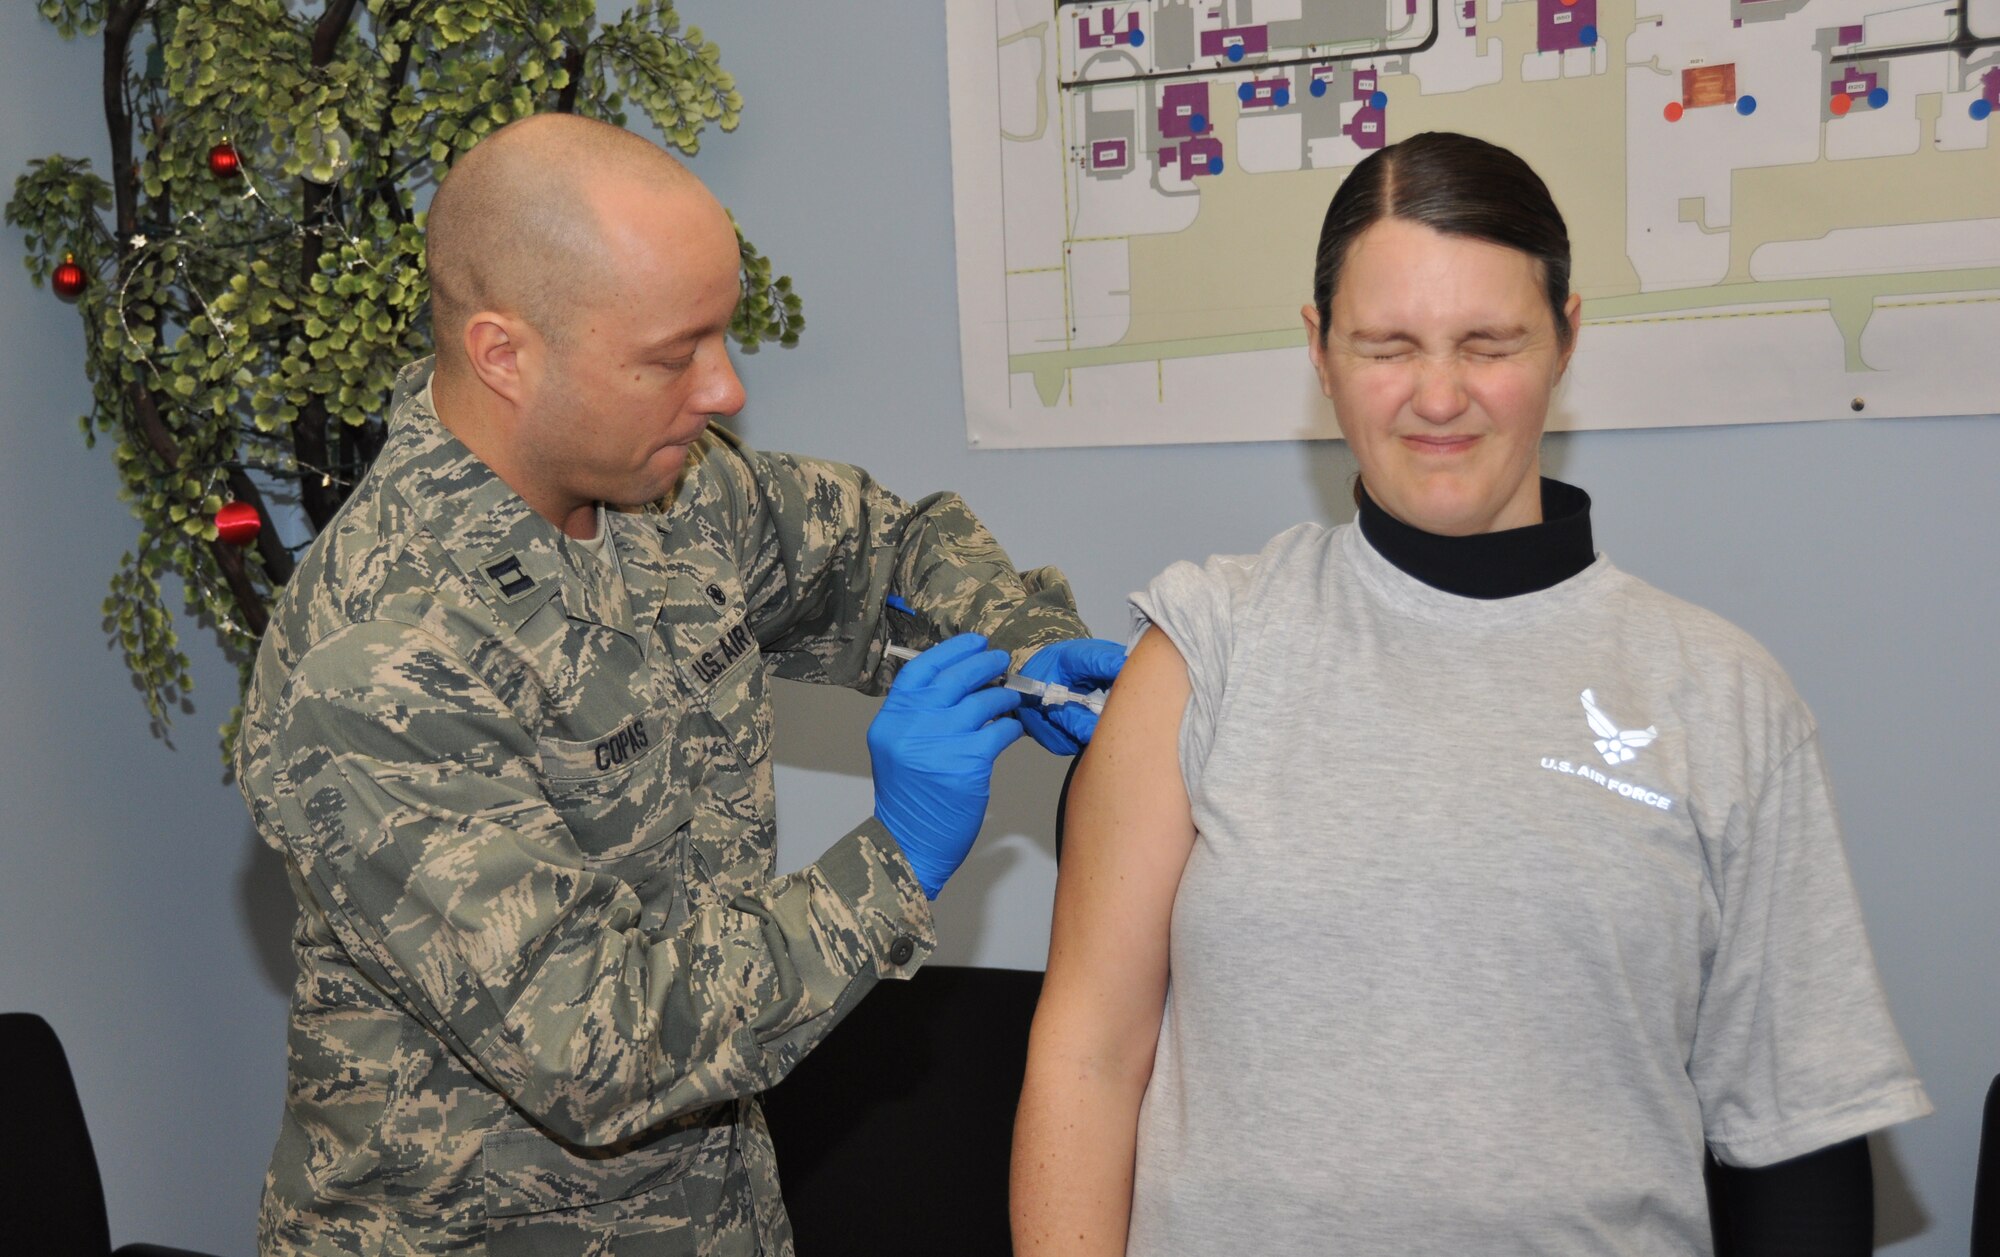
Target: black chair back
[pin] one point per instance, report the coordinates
(50, 1192)
(893, 1135)
(1986, 1186)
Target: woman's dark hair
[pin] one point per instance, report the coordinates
(1455, 185)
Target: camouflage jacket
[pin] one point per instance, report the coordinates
(545, 961)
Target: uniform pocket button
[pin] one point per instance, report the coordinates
(901, 950)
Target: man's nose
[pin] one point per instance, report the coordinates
(722, 392)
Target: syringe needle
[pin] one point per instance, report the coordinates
(1040, 691)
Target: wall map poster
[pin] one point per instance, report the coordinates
(1779, 209)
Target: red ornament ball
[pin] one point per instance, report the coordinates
(223, 161)
(69, 279)
(237, 523)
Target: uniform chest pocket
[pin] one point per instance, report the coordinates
(615, 792)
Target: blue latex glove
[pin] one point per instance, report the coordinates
(932, 748)
(1082, 664)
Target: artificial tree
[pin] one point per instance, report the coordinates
(260, 277)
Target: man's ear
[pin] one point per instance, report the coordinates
(495, 345)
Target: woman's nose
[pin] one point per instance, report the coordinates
(1440, 397)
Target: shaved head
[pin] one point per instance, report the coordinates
(519, 224)
(583, 285)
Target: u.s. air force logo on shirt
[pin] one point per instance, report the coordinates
(1617, 747)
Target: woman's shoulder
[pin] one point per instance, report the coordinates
(1235, 578)
(1696, 627)
(1710, 656)
(1206, 599)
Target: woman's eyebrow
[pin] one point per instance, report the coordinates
(1377, 335)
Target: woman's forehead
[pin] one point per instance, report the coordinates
(1402, 271)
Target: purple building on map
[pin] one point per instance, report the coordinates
(1849, 35)
(1110, 155)
(1369, 128)
(1250, 39)
(1560, 25)
(1108, 35)
(1197, 157)
(1990, 84)
(1854, 83)
(1264, 93)
(1181, 106)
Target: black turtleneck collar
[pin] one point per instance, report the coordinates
(1490, 565)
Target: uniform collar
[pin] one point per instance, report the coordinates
(516, 559)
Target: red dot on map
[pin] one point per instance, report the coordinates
(1841, 103)
(1673, 111)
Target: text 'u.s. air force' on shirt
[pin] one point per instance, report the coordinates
(1638, 794)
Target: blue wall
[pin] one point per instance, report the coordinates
(140, 916)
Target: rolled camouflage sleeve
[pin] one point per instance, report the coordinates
(410, 802)
(823, 545)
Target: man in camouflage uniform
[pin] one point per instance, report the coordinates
(516, 748)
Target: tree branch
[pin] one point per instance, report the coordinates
(326, 36)
(234, 571)
(385, 187)
(573, 62)
(277, 559)
(117, 48)
(142, 407)
(309, 434)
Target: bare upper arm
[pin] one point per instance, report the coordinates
(1127, 836)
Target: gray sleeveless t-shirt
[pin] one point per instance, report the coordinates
(1497, 911)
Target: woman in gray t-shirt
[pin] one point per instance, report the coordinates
(1431, 885)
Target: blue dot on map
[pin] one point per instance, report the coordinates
(1246, 92)
(1138, 39)
(1282, 97)
(1878, 98)
(1215, 165)
(1981, 110)
(1198, 123)
(1236, 52)
(1380, 100)
(1746, 105)
(1587, 36)
(1319, 88)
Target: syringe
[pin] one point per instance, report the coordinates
(1047, 693)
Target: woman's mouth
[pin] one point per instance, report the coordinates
(1440, 445)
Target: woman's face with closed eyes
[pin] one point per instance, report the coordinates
(1440, 356)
